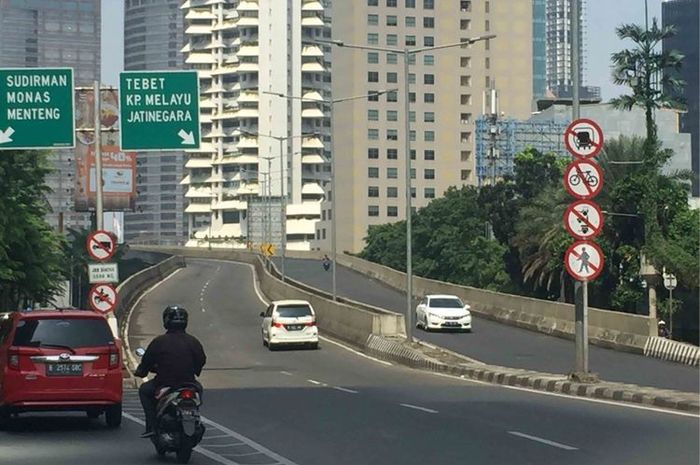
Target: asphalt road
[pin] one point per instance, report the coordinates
(334, 406)
(499, 344)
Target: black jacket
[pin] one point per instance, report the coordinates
(175, 357)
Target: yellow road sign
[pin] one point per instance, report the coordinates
(267, 249)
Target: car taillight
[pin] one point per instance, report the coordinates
(13, 360)
(186, 394)
(313, 323)
(277, 324)
(113, 358)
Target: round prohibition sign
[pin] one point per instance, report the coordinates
(583, 179)
(101, 245)
(584, 138)
(103, 298)
(583, 219)
(584, 260)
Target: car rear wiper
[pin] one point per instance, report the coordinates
(58, 346)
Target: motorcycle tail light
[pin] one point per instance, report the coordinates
(186, 394)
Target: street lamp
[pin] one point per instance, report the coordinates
(331, 103)
(407, 52)
(283, 194)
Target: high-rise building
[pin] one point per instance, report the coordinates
(447, 90)
(252, 141)
(685, 16)
(49, 33)
(539, 48)
(558, 50)
(153, 39)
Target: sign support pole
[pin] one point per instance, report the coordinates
(98, 156)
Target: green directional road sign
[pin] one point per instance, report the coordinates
(36, 108)
(159, 110)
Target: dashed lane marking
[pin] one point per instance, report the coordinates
(542, 440)
(416, 407)
(349, 391)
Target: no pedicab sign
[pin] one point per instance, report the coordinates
(101, 245)
(584, 138)
(103, 298)
(584, 260)
(583, 219)
(583, 179)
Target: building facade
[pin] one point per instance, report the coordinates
(446, 96)
(256, 145)
(685, 16)
(153, 39)
(49, 33)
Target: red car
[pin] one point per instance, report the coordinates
(59, 360)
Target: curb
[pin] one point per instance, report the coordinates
(401, 352)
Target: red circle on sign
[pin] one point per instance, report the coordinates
(101, 245)
(96, 295)
(571, 210)
(596, 141)
(596, 272)
(575, 176)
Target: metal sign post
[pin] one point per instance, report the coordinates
(670, 284)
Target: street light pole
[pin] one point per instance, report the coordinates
(406, 52)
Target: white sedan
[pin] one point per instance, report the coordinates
(289, 322)
(443, 312)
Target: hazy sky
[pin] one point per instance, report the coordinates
(603, 17)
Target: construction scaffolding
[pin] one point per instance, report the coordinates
(499, 140)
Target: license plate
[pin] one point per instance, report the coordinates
(64, 369)
(451, 323)
(295, 327)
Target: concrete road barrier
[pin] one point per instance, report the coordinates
(666, 349)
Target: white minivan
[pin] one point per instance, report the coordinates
(289, 322)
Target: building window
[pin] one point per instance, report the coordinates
(391, 59)
(429, 173)
(373, 191)
(391, 96)
(410, 40)
(412, 116)
(392, 154)
(429, 136)
(428, 41)
(464, 155)
(412, 97)
(391, 3)
(429, 117)
(392, 211)
(392, 115)
(392, 78)
(429, 23)
(465, 24)
(373, 210)
(429, 154)
(465, 5)
(413, 173)
(465, 118)
(392, 39)
(465, 62)
(373, 134)
(372, 2)
(487, 63)
(465, 99)
(372, 58)
(428, 79)
(464, 175)
(372, 76)
(411, 78)
(413, 154)
(410, 3)
(465, 137)
(373, 38)
(465, 81)
(372, 20)
(487, 25)
(392, 173)
(391, 20)
(373, 115)
(392, 134)
(428, 4)
(373, 172)
(429, 193)
(373, 153)
(429, 97)
(412, 135)
(392, 192)
(429, 60)
(410, 21)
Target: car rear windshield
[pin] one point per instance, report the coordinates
(294, 311)
(445, 303)
(74, 332)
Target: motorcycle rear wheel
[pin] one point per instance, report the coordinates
(184, 452)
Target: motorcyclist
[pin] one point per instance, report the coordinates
(326, 262)
(175, 357)
(663, 331)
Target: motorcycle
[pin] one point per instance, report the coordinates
(178, 426)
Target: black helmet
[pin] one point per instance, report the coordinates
(175, 317)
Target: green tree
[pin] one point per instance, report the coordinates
(31, 257)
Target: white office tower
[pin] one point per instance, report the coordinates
(252, 147)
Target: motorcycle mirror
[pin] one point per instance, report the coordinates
(140, 351)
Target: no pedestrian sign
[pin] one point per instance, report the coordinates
(583, 179)
(36, 108)
(583, 219)
(584, 260)
(159, 110)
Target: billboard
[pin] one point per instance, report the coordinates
(118, 168)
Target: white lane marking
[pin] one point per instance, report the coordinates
(339, 388)
(218, 436)
(286, 373)
(567, 396)
(247, 454)
(355, 351)
(219, 458)
(422, 409)
(226, 445)
(543, 441)
(312, 381)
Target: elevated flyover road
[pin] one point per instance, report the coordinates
(500, 344)
(335, 406)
